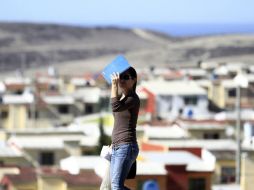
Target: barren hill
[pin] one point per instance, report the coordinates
(72, 49)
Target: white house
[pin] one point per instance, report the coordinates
(177, 98)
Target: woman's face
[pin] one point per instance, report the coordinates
(126, 81)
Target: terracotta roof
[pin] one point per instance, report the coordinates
(173, 75)
(15, 86)
(28, 174)
(88, 178)
(145, 146)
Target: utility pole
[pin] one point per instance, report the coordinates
(238, 134)
(241, 81)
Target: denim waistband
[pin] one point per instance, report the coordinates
(124, 143)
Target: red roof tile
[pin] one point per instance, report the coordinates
(28, 175)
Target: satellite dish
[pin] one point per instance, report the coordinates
(230, 131)
(190, 113)
(150, 185)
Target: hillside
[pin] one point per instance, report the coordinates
(33, 46)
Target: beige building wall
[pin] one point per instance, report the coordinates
(17, 117)
(70, 88)
(222, 97)
(39, 123)
(25, 186)
(218, 167)
(2, 135)
(50, 183)
(218, 95)
(247, 173)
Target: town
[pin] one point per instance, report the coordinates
(195, 128)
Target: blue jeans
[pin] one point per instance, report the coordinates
(123, 156)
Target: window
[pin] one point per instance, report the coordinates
(63, 109)
(88, 108)
(227, 174)
(18, 92)
(232, 92)
(47, 158)
(211, 135)
(4, 114)
(190, 100)
(53, 87)
(197, 183)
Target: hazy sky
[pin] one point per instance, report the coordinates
(128, 11)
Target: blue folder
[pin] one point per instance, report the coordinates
(119, 64)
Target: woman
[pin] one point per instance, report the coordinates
(125, 111)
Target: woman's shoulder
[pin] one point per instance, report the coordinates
(135, 97)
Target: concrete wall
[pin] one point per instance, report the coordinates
(50, 183)
(247, 173)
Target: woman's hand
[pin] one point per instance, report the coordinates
(115, 78)
(115, 81)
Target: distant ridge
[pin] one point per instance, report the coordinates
(24, 46)
(37, 44)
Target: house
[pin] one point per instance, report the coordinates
(50, 145)
(172, 170)
(221, 72)
(207, 129)
(45, 83)
(76, 82)
(49, 178)
(61, 107)
(10, 155)
(152, 132)
(14, 110)
(194, 73)
(224, 93)
(16, 85)
(234, 67)
(222, 149)
(209, 65)
(89, 100)
(184, 170)
(172, 99)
